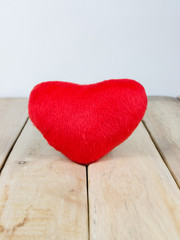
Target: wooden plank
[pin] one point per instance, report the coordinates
(132, 195)
(13, 115)
(42, 193)
(162, 120)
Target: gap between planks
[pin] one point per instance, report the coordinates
(87, 189)
(160, 153)
(162, 123)
(11, 149)
(13, 115)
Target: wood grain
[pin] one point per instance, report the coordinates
(132, 194)
(42, 193)
(162, 120)
(13, 115)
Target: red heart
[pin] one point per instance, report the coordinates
(85, 122)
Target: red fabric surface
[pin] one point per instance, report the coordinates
(85, 122)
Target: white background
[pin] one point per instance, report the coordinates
(89, 41)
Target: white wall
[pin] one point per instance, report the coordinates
(89, 41)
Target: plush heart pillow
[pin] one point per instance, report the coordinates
(85, 122)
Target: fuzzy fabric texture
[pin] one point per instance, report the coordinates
(85, 122)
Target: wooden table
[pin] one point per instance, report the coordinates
(131, 193)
